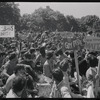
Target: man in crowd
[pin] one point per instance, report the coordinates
(10, 64)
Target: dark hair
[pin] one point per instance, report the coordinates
(59, 52)
(32, 50)
(90, 32)
(2, 54)
(49, 54)
(27, 55)
(93, 62)
(79, 58)
(19, 67)
(93, 53)
(18, 84)
(12, 55)
(67, 53)
(57, 75)
(39, 67)
(72, 54)
(42, 51)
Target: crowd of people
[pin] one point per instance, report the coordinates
(24, 65)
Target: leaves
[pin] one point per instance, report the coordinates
(9, 14)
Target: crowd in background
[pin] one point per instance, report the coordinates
(25, 64)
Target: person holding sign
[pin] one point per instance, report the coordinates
(92, 76)
(61, 87)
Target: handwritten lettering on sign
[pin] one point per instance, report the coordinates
(7, 31)
(92, 43)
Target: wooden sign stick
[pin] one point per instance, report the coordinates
(77, 69)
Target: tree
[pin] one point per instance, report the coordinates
(90, 22)
(10, 14)
(25, 22)
(73, 23)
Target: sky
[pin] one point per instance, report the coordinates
(77, 9)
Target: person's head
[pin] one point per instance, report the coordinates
(27, 56)
(92, 54)
(72, 54)
(93, 62)
(67, 53)
(57, 75)
(13, 57)
(32, 50)
(20, 69)
(39, 67)
(79, 58)
(2, 54)
(59, 52)
(18, 84)
(42, 51)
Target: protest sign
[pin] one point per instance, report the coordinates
(92, 43)
(7, 31)
(71, 41)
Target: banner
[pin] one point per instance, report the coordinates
(7, 31)
(92, 43)
(71, 40)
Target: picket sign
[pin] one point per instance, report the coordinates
(72, 42)
(92, 43)
(77, 69)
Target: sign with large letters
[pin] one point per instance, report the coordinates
(92, 43)
(71, 40)
(7, 31)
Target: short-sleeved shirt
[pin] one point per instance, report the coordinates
(11, 94)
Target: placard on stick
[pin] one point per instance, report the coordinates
(72, 42)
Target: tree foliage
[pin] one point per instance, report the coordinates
(43, 19)
(47, 19)
(10, 14)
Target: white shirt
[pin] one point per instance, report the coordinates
(11, 94)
